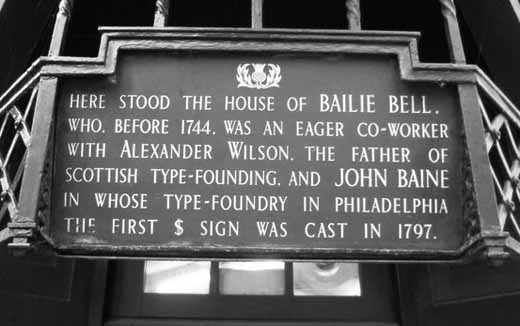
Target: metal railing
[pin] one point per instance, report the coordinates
(16, 120)
(501, 120)
(502, 137)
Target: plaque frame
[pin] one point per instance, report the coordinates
(485, 237)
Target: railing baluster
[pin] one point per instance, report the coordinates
(60, 27)
(162, 9)
(451, 25)
(257, 14)
(353, 14)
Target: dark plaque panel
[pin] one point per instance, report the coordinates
(237, 154)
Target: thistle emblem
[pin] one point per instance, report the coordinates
(258, 75)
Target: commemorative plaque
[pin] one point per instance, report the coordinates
(257, 154)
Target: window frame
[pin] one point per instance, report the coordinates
(377, 303)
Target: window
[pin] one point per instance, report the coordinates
(180, 277)
(326, 279)
(257, 290)
(251, 278)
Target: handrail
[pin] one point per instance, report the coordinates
(27, 79)
(17, 109)
(502, 128)
(494, 92)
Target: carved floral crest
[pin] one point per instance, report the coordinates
(258, 75)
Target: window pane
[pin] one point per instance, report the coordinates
(179, 277)
(326, 279)
(252, 278)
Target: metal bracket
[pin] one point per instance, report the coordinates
(20, 233)
(490, 246)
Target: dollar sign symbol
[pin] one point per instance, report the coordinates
(178, 227)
